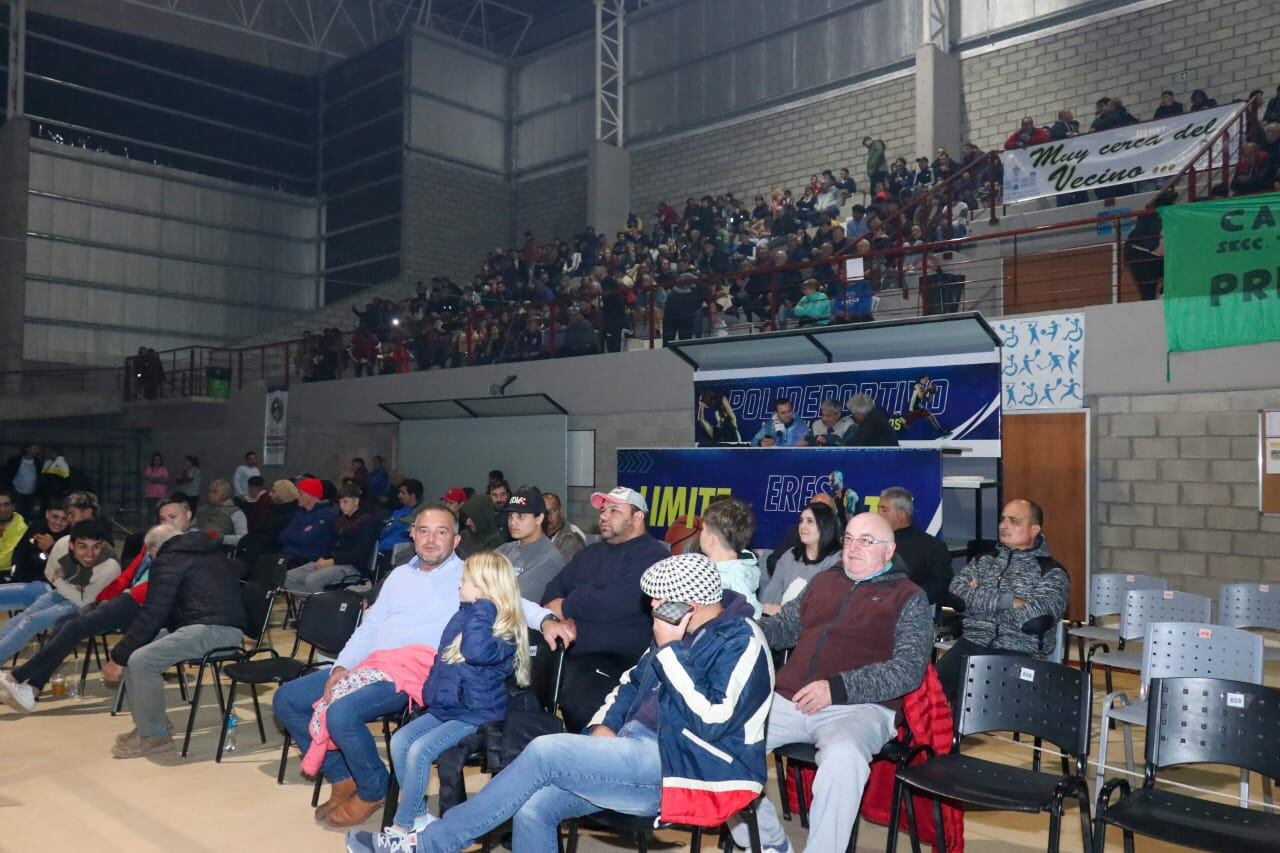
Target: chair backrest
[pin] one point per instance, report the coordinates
(1213, 721)
(1249, 605)
(1034, 697)
(258, 599)
(328, 619)
(1142, 606)
(1107, 590)
(1172, 649)
(401, 553)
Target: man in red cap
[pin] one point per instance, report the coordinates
(310, 534)
(453, 500)
(598, 595)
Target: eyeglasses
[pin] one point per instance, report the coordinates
(866, 540)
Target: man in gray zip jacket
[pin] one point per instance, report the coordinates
(1003, 590)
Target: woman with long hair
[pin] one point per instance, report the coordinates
(819, 549)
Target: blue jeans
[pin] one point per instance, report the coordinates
(557, 777)
(414, 749)
(19, 596)
(43, 613)
(357, 754)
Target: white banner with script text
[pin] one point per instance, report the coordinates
(1151, 150)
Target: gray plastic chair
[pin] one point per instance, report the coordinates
(1141, 607)
(1251, 605)
(1187, 649)
(1107, 592)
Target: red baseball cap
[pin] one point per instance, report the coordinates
(454, 495)
(311, 486)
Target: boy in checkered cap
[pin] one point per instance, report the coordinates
(682, 736)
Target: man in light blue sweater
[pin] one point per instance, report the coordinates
(416, 602)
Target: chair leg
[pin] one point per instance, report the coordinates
(642, 842)
(1103, 732)
(780, 767)
(1128, 841)
(891, 845)
(195, 706)
(119, 703)
(695, 840)
(84, 667)
(853, 835)
(801, 795)
(226, 718)
(1128, 748)
(572, 845)
(1086, 825)
(939, 830)
(913, 830)
(257, 709)
(315, 790)
(1055, 828)
(284, 757)
(753, 830)
(216, 674)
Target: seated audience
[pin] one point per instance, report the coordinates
(816, 550)
(355, 533)
(310, 533)
(927, 558)
(193, 594)
(31, 554)
(396, 529)
(77, 572)
(220, 518)
(79, 506)
(1027, 135)
(727, 527)
(597, 595)
(681, 737)
(1168, 106)
(1201, 101)
(843, 696)
(13, 527)
(114, 610)
(565, 535)
(536, 558)
(814, 308)
(874, 429)
(256, 505)
(415, 605)
(483, 644)
(1002, 591)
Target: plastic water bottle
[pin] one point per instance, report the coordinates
(232, 723)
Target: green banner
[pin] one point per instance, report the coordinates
(1222, 272)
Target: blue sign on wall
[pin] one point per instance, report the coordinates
(929, 404)
(777, 483)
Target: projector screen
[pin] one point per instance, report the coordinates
(530, 450)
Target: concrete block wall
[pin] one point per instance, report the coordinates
(452, 217)
(1177, 488)
(553, 205)
(1225, 47)
(782, 148)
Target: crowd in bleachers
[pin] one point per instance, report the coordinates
(723, 264)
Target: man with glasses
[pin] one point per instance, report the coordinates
(860, 637)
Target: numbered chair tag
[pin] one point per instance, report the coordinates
(1235, 700)
(1168, 594)
(1205, 633)
(342, 608)
(1027, 674)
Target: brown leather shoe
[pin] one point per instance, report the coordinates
(339, 793)
(353, 812)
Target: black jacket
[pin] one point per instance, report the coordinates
(928, 562)
(191, 583)
(356, 537)
(875, 431)
(28, 560)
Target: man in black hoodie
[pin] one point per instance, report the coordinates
(194, 595)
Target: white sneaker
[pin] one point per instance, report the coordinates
(6, 678)
(19, 697)
(423, 822)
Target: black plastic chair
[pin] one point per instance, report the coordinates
(258, 600)
(643, 827)
(1047, 701)
(326, 623)
(1199, 721)
(897, 750)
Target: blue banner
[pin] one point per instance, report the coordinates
(777, 483)
(930, 404)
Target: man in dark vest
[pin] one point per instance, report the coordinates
(860, 637)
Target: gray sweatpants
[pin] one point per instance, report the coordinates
(144, 676)
(846, 736)
(307, 579)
